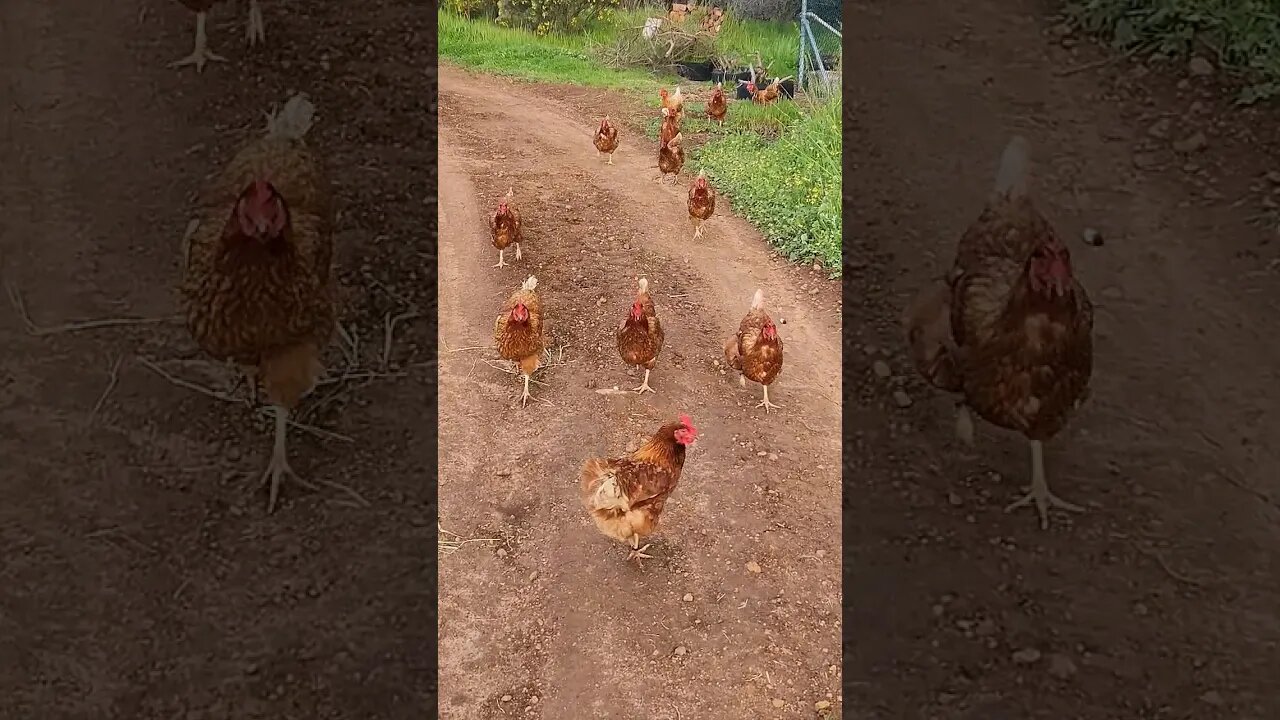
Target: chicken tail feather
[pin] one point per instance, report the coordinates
(757, 300)
(643, 284)
(1015, 168)
(294, 120)
(530, 284)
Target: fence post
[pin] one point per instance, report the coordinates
(804, 11)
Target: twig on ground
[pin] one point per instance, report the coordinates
(1164, 565)
(389, 330)
(19, 306)
(448, 546)
(112, 379)
(1110, 59)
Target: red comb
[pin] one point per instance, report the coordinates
(687, 421)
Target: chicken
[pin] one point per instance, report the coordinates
(518, 332)
(1020, 350)
(756, 351)
(505, 227)
(258, 287)
(640, 334)
(256, 31)
(670, 126)
(625, 496)
(757, 96)
(702, 202)
(607, 138)
(771, 93)
(673, 102)
(718, 105)
(671, 158)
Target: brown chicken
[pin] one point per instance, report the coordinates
(505, 227)
(607, 138)
(673, 102)
(1020, 349)
(625, 496)
(671, 158)
(258, 285)
(518, 332)
(756, 351)
(670, 126)
(718, 105)
(255, 32)
(640, 334)
(702, 202)
(766, 96)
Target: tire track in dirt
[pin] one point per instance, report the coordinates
(555, 612)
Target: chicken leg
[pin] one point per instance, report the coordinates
(644, 386)
(1040, 494)
(256, 30)
(201, 54)
(697, 228)
(637, 552)
(610, 159)
(525, 397)
(278, 469)
(501, 261)
(517, 251)
(765, 402)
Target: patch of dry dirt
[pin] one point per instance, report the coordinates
(550, 621)
(1161, 601)
(141, 577)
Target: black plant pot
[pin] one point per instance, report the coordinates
(729, 77)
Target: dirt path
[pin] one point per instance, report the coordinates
(1161, 601)
(141, 577)
(551, 621)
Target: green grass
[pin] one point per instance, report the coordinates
(1241, 36)
(778, 165)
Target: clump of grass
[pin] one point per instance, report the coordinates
(789, 187)
(1242, 35)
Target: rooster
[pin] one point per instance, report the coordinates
(518, 332)
(258, 285)
(255, 32)
(756, 351)
(718, 105)
(673, 102)
(670, 157)
(625, 496)
(607, 138)
(702, 202)
(640, 334)
(505, 227)
(1020, 347)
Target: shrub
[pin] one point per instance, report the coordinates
(474, 9)
(546, 16)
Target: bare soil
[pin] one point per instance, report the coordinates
(141, 576)
(542, 616)
(1162, 600)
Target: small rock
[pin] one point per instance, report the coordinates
(753, 567)
(881, 369)
(938, 610)
(506, 698)
(688, 597)
(1192, 143)
(946, 698)
(1061, 666)
(1092, 237)
(902, 399)
(1140, 609)
(1199, 67)
(502, 552)
(533, 700)
(954, 499)
(1213, 697)
(1273, 176)
(778, 702)
(1026, 656)
(822, 705)
(773, 457)
(1160, 128)
(681, 650)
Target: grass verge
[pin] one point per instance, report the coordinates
(779, 165)
(1243, 36)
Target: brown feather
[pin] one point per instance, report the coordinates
(505, 228)
(640, 341)
(760, 359)
(521, 342)
(702, 202)
(626, 496)
(606, 139)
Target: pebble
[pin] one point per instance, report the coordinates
(1192, 143)
(506, 698)
(822, 705)
(778, 702)
(902, 399)
(681, 650)
(1061, 666)
(881, 369)
(1160, 128)
(1199, 67)
(1213, 697)
(688, 597)
(1092, 237)
(1026, 656)
(753, 567)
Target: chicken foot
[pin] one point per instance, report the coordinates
(610, 159)
(501, 261)
(256, 30)
(765, 402)
(278, 469)
(517, 251)
(1040, 494)
(201, 54)
(637, 552)
(697, 228)
(644, 386)
(525, 397)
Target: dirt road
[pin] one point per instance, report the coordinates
(140, 575)
(1161, 601)
(550, 621)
